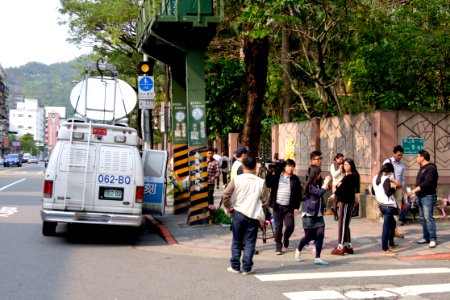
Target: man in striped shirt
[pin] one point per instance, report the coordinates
(285, 197)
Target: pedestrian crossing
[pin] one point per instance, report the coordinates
(367, 291)
(350, 274)
(384, 293)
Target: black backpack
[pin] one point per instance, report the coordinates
(224, 164)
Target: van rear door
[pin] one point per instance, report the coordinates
(75, 176)
(116, 178)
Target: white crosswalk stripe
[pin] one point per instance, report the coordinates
(370, 291)
(349, 274)
(403, 291)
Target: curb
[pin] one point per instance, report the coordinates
(436, 256)
(163, 230)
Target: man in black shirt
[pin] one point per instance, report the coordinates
(425, 190)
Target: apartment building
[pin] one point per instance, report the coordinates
(54, 116)
(27, 117)
(4, 117)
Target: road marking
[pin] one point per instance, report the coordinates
(374, 273)
(7, 186)
(411, 290)
(6, 211)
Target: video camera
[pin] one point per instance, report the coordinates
(273, 166)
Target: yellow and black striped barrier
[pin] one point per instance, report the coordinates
(198, 208)
(181, 168)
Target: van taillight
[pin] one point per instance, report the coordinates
(48, 188)
(139, 194)
(99, 131)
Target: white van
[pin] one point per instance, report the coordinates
(94, 175)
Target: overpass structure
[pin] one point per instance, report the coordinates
(177, 33)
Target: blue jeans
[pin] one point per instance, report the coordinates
(245, 232)
(426, 206)
(404, 212)
(387, 237)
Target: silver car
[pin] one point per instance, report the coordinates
(33, 160)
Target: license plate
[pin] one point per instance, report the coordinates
(107, 193)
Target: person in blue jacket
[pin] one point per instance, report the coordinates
(312, 214)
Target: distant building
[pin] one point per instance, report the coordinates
(27, 117)
(4, 117)
(54, 116)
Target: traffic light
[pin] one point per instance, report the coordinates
(145, 68)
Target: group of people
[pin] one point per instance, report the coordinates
(389, 188)
(247, 194)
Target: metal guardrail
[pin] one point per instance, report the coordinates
(198, 12)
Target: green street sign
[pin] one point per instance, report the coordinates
(412, 146)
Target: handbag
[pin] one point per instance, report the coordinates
(261, 215)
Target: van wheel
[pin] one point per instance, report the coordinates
(49, 228)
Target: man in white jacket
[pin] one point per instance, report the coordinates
(244, 198)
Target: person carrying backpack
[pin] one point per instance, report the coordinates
(224, 167)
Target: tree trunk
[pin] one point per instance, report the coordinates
(287, 70)
(256, 53)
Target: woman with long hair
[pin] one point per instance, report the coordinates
(312, 214)
(384, 191)
(345, 195)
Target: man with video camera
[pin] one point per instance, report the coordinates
(285, 198)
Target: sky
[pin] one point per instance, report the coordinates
(29, 31)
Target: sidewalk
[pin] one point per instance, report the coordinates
(366, 236)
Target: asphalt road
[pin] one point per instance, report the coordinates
(101, 262)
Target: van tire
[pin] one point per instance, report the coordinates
(49, 228)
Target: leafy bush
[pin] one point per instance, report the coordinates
(218, 216)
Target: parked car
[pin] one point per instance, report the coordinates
(33, 160)
(12, 159)
(25, 157)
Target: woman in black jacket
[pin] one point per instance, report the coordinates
(285, 197)
(345, 193)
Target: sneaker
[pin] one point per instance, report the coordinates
(231, 270)
(337, 251)
(393, 247)
(348, 250)
(422, 241)
(248, 272)
(388, 252)
(329, 212)
(318, 261)
(278, 252)
(286, 243)
(432, 244)
(297, 256)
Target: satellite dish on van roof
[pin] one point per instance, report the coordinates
(103, 98)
